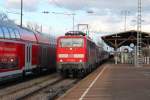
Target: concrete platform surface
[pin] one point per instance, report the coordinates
(113, 82)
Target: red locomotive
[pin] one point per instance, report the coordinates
(22, 51)
(77, 54)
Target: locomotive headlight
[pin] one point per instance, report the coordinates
(81, 61)
(11, 60)
(78, 55)
(63, 55)
(61, 60)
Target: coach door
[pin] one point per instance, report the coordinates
(28, 56)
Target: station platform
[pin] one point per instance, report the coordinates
(113, 82)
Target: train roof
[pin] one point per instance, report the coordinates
(21, 33)
(75, 33)
(8, 28)
(27, 35)
(42, 38)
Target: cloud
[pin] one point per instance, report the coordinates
(28, 5)
(103, 23)
(69, 4)
(114, 23)
(108, 13)
(114, 5)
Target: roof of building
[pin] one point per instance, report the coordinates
(117, 40)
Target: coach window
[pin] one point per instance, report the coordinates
(17, 33)
(12, 33)
(6, 32)
(1, 33)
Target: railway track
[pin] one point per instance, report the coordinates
(15, 91)
(19, 80)
(48, 87)
(50, 92)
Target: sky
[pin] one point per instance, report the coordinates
(107, 16)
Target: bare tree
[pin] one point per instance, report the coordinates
(3, 17)
(34, 26)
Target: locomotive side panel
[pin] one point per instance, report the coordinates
(91, 48)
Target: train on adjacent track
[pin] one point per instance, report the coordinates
(78, 55)
(23, 51)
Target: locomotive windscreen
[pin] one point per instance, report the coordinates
(71, 42)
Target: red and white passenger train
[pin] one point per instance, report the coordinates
(77, 54)
(22, 51)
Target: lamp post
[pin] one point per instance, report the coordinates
(63, 13)
(21, 13)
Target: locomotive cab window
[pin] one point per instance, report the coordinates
(73, 42)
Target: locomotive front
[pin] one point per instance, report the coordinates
(71, 54)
